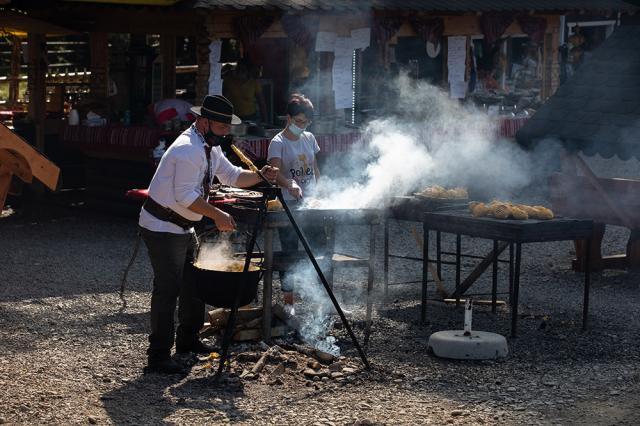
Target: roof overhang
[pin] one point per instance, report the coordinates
(136, 2)
(19, 23)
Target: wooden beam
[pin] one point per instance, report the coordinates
(37, 58)
(479, 270)
(40, 167)
(99, 48)
(5, 182)
(626, 220)
(16, 164)
(92, 18)
(14, 73)
(168, 52)
(22, 23)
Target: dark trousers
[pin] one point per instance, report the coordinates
(169, 254)
(316, 236)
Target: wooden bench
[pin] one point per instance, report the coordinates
(579, 196)
(19, 158)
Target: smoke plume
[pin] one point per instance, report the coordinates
(426, 139)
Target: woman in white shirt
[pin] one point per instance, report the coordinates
(293, 151)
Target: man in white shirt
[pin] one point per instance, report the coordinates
(178, 198)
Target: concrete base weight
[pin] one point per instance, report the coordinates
(478, 345)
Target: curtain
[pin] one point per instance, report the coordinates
(385, 27)
(250, 28)
(301, 30)
(533, 26)
(430, 29)
(493, 25)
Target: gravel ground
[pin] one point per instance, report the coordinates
(71, 353)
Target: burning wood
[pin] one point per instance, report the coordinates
(297, 360)
(248, 323)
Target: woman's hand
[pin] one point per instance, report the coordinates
(294, 189)
(224, 221)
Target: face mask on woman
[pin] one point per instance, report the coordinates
(297, 131)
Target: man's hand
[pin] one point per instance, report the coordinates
(294, 189)
(271, 173)
(224, 221)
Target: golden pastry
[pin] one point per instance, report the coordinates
(543, 213)
(500, 211)
(518, 213)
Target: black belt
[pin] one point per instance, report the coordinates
(166, 214)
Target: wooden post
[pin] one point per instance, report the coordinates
(202, 77)
(547, 61)
(37, 53)
(99, 49)
(168, 52)
(5, 182)
(14, 73)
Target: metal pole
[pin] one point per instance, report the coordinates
(231, 322)
(425, 271)
(494, 278)
(323, 279)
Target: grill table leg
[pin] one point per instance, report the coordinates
(386, 257)
(439, 254)
(330, 228)
(267, 290)
(425, 270)
(372, 256)
(587, 283)
(458, 261)
(494, 282)
(516, 290)
(510, 272)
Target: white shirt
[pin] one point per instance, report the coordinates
(298, 158)
(177, 182)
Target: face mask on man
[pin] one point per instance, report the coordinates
(212, 139)
(297, 131)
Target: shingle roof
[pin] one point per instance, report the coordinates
(598, 109)
(419, 5)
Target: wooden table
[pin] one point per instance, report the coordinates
(503, 233)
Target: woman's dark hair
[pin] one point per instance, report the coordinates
(299, 103)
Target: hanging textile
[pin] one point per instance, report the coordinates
(430, 29)
(250, 28)
(301, 30)
(385, 27)
(493, 25)
(534, 27)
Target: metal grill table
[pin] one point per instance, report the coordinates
(411, 209)
(506, 232)
(330, 218)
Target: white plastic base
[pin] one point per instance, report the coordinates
(479, 345)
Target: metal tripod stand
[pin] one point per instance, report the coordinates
(271, 191)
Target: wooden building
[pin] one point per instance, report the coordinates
(597, 112)
(137, 49)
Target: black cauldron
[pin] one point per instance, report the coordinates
(219, 288)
